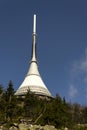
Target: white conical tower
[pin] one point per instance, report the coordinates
(33, 80)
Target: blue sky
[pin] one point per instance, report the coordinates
(61, 44)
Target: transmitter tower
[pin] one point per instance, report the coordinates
(33, 80)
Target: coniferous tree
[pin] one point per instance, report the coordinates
(2, 104)
(84, 115)
(1, 90)
(29, 104)
(10, 91)
(10, 102)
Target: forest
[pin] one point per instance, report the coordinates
(55, 111)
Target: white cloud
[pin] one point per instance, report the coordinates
(81, 65)
(86, 92)
(79, 76)
(79, 68)
(73, 92)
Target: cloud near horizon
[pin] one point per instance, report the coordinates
(81, 65)
(79, 77)
(72, 91)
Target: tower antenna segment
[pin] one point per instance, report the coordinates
(34, 40)
(34, 25)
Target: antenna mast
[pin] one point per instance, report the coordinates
(34, 24)
(34, 41)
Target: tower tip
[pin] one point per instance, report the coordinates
(34, 24)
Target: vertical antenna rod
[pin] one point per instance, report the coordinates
(34, 25)
(34, 41)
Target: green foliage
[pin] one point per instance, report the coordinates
(1, 89)
(8, 103)
(80, 128)
(84, 115)
(32, 106)
(29, 104)
(55, 111)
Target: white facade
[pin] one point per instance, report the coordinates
(33, 80)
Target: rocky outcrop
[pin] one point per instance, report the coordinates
(36, 127)
(46, 127)
(29, 127)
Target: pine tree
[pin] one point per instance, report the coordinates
(10, 102)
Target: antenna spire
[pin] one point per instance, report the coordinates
(33, 58)
(34, 24)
